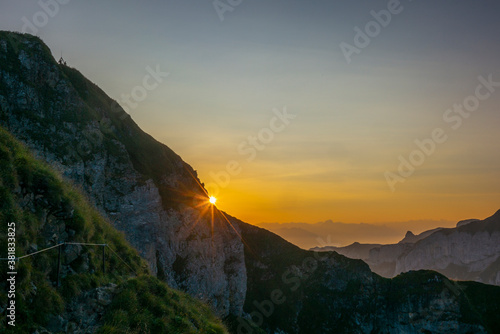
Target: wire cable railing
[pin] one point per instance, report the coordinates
(62, 244)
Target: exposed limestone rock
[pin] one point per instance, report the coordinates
(81, 141)
(470, 251)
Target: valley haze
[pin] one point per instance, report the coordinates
(329, 233)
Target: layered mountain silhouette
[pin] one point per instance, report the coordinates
(330, 233)
(254, 279)
(469, 251)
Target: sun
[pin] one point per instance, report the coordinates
(212, 200)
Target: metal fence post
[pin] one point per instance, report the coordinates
(103, 259)
(59, 264)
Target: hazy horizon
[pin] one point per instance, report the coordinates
(330, 233)
(280, 124)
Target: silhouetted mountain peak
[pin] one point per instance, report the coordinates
(466, 221)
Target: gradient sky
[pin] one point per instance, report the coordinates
(353, 120)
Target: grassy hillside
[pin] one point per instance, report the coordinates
(48, 211)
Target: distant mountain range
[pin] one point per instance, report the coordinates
(330, 233)
(252, 278)
(469, 251)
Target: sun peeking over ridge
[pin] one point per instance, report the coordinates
(212, 200)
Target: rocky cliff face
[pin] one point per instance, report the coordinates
(411, 238)
(155, 198)
(145, 189)
(471, 251)
(72, 283)
(468, 252)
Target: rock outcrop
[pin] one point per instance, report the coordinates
(468, 252)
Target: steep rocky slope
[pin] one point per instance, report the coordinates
(45, 211)
(144, 188)
(470, 251)
(155, 198)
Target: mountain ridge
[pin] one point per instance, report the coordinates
(330, 233)
(468, 251)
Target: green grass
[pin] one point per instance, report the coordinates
(146, 305)
(42, 205)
